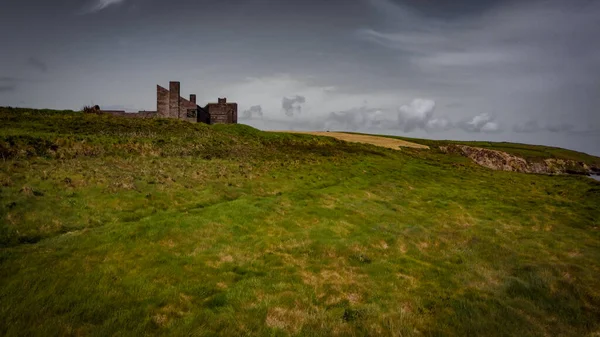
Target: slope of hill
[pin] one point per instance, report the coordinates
(513, 156)
(116, 226)
(529, 152)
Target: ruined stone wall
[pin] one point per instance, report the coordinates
(170, 104)
(174, 95)
(188, 110)
(234, 115)
(162, 101)
(203, 116)
(222, 113)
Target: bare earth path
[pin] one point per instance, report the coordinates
(375, 140)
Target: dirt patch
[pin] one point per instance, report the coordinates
(289, 320)
(390, 143)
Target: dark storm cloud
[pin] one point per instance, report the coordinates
(7, 87)
(254, 111)
(527, 127)
(37, 64)
(447, 9)
(357, 65)
(512, 55)
(293, 105)
(533, 126)
(356, 118)
(8, 79)
(8, 84)
(562, 127)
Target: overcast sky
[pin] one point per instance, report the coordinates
(522, 71)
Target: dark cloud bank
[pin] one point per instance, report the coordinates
(524, 71)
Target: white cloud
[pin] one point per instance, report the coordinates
(470, 58)
(293, 103)
(490, 127)
(438, 124)
(419, 108)
(415, 115)
(275, 95)
(99, 5)
(480, 123)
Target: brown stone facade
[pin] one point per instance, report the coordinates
(174, 100)
(162, 101)
(170, 104)
(222, 112)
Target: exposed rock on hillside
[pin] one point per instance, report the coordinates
(499, 160)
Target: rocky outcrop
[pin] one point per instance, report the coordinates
(499, 160)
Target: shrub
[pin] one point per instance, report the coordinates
(91, 109)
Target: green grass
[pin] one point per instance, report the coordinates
(527, 151)
(115, 226)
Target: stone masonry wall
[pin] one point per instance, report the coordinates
(170, 104)
(203, 116)
(185, 107)
(162, 101)
(222, 113)
(174, 94)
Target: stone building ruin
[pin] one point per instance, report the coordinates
(170, 104)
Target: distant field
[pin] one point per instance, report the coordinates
(122, 226)
(527, 151)
(390, 143)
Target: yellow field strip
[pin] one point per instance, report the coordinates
(390, 143)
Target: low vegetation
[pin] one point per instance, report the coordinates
(95, 109)
(533, 153)
(121, 226)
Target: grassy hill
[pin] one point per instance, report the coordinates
(526, 151)
(116, 226)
